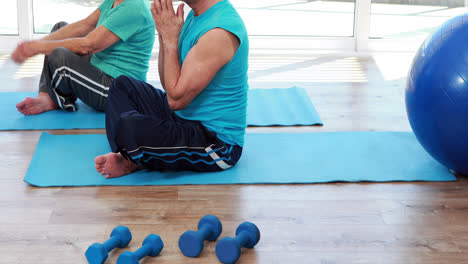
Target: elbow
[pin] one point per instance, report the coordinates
(176, 105)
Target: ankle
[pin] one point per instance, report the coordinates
(43, 94)
(46, 98)
(131, 166)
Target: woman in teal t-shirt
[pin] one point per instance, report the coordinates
(82, 59)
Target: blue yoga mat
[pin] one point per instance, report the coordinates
(268, 158)
(266, 107)
(85, 118)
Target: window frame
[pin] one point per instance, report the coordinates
(360, 42)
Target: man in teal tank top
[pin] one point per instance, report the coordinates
(198, 123)
(83, 58)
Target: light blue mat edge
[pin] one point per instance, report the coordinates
(439, 173)
(300, 112)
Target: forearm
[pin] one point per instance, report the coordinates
(75, 30)
(161, 62)
(171, 72)
(80, 46)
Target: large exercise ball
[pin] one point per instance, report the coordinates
(437, 94)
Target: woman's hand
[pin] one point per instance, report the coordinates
(24, 51)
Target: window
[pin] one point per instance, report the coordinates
(297, 17)
(9, 18)
(414, 20)
(48, 12)
(289, 25)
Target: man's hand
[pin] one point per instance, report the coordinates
(24, 51)
(168, 23)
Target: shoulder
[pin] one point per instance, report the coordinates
(105, 5)
(219, 35)
(137, 10)
(133, 6)
(227, 18)
(219, 42)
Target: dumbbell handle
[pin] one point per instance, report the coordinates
(111, 243)
(242, 238)
(205, 231)
(142, 252)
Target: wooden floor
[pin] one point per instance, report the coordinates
(316, 223)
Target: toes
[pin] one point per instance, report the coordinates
(21, 104)
(99, 160)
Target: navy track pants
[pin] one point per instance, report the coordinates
(141, 126)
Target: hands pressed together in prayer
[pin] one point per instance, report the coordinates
(168, 22)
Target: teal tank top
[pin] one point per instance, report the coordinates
(222, 105)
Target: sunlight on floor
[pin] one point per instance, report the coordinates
(296, 69)
(30, 68)
(265, 63)
(329, 70)
(393, 66)
(4, 59)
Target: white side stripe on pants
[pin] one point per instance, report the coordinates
(223, 165)
(159, 148)
(74, 79)
(80, 75)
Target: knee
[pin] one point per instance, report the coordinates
(59, 55)
(120, 83)
(60, 52)
(122, 79)
(118, 86)
(58, 26)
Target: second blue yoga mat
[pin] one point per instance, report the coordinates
(281, 107)
(266, 107)
(268, 158)
(11, 119)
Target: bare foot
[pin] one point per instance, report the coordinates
(113, 165)
(34, 106)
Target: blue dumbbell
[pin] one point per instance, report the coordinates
(98, 253)
(228, 249)
(152, 246)
(191, 242)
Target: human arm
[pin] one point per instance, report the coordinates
(99, 39)
(77, 30)
(161, 61)
(212, 51)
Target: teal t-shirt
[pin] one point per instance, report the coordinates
(133, 23)
(222, 105)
